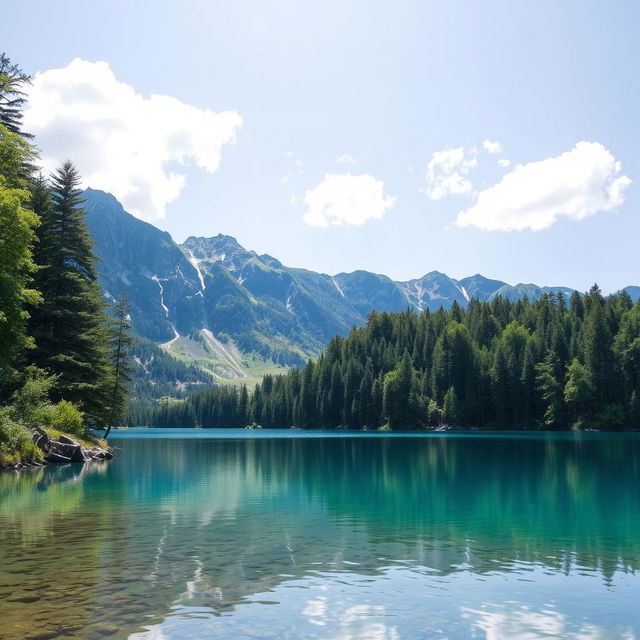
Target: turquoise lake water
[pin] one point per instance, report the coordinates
(191, 534)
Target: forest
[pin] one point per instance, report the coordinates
(547, 364)
(64, 355)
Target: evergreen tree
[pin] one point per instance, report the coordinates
(550, 385)
(69, 327)
(121, 344)
(399, 399)
(13, 84)
(579, 391)
(598, 356)
(450, 407)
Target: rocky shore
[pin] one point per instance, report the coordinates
(63, 450)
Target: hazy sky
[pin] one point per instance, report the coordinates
(398, 137)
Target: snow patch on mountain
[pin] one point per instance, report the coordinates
(196, 265)
(162, 304)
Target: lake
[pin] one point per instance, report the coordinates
(287, 534)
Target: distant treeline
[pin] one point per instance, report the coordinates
(551, 363)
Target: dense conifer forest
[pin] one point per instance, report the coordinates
(553, 363)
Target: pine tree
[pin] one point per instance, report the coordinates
(550, 385)
(120, 343)
(399, 397)
(69, 327)
(451, 407)
(13, 84)
(578, 391)
(598, 356)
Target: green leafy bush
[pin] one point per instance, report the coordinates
(65, 417)
(15, 441)
(32, 398)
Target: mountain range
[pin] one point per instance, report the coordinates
(236, 314)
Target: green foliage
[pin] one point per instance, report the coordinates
(451, 407)
(500, 364)
(70, 327)
(13, 83)
(32, 398)
(15, 441)
(65, 417)
(51, 308)
(578, 391)
(17, 235)
(549, 381)
(399, 395)
(120, 346)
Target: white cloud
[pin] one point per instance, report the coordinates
(121, 141)
(346, 159)
(575, 184)
(492, 146)
(504, 163)
(446, 172)
(346, 199)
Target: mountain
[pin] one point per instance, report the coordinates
(138, 258)
(634, 292)
(235, 314)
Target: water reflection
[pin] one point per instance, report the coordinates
(328, 537)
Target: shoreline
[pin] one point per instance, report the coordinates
(60, 448)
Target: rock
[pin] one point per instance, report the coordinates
(56, 457)
(41, 440)
(66, 440)
(70, 450)
(78, 455)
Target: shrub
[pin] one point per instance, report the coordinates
(610, 417)
(30, 399)
(65, 417)
(15, 441)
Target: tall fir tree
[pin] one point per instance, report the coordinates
(69, 327)
(120, 346)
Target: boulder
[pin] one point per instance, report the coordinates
(56, 458)
(62, 448)
(41, 440)
(66, 440)
(78, 455)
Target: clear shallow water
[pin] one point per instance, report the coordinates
(244, 534)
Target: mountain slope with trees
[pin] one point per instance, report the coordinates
(498, 365)
(221, 307)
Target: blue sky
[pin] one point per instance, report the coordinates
(331, 113)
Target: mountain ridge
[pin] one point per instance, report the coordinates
(212, 300)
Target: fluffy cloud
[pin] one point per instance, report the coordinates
(446, 172)
(346, 199)
(492, 146)
(575, 184)
(121, 141)
(504, 163)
